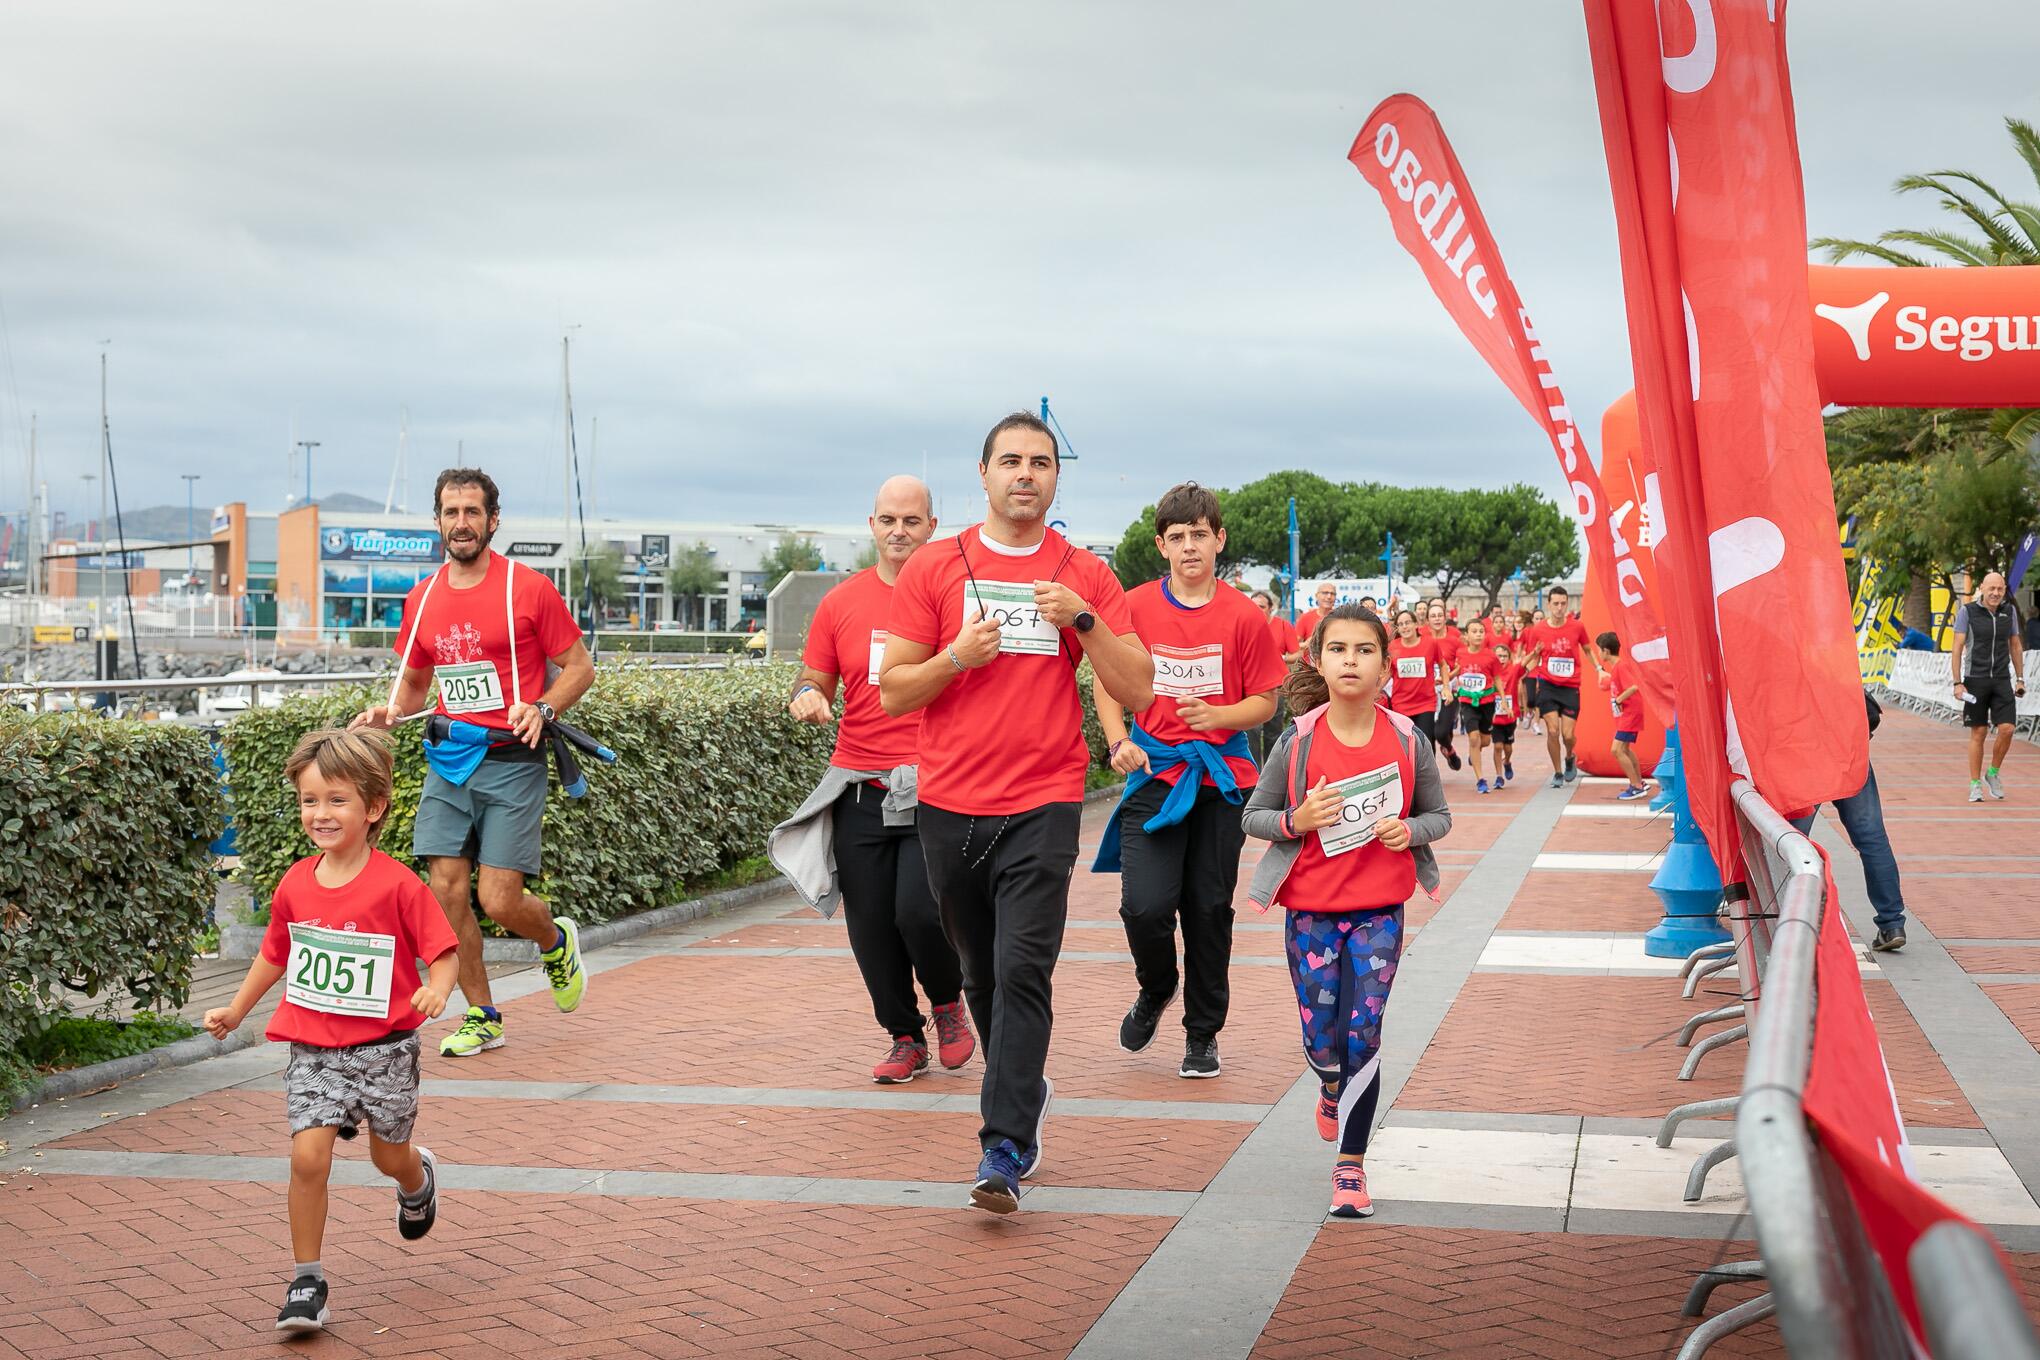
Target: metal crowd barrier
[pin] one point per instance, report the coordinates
(1922, 682)
(1827, 1288)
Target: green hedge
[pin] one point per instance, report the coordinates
(105, 870)
(708, 762)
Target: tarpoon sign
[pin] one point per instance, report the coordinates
(378, 545)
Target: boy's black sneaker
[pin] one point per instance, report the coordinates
(415, 1220)
(1137, 1030)
(304, 1306)
(1889, 941)
(1200, 1058)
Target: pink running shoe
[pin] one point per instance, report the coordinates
(908, 1058)
(1327, 1117)
(1349, 1192)
(954, 1043)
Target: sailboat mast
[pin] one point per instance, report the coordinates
(567, 471)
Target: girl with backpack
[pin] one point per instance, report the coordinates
(1351, 801)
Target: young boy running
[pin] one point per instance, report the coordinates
(1507, 705)
(1625, 697)
(345, 929)
(1473, 689)
(1175, 837)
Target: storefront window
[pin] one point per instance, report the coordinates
(346, 612)
(345, 579)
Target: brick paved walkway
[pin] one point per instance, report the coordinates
(697, 1163)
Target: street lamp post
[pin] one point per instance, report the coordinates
(190, 530)
(308, 445)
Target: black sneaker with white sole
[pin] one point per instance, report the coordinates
(1889, 941)
(304, 1306)
(1200, 1058)
(1137, 1030)
(415, 1220)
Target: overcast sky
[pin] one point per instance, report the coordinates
(806, 245)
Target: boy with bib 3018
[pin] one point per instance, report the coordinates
(346, 928)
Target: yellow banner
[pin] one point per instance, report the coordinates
(59, 632)
(1878, 626)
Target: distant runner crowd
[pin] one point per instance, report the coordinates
(946, 827)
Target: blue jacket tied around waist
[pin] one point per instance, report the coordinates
(1203, 758)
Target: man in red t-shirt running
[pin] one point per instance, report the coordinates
(1176, 835)
(484, 628)
(984, 639)
(1555, 652)
(1323, 599)
(861, 817)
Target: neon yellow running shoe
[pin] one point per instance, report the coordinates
(477, 1032)
(563, 967)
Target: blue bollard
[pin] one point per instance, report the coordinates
(1687, 882)
(1667, 771)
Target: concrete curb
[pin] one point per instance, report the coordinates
(242, 942)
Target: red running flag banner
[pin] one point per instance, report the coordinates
(1402, 152)
(1704, 165)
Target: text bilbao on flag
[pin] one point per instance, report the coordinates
(1402, 152)
(1705, 171)
(1853, 1108)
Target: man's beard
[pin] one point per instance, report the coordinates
(467, 552)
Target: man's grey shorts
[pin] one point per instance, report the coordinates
(371, 1084)
(495, 818)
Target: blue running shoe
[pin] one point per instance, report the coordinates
(998, 1184)
(1630, 795)
(1480, 786)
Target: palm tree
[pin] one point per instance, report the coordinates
(2005, 232)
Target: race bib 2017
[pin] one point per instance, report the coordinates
(1189, 672)
(1410, 667)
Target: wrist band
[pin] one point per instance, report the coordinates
(1289, 823)
(1113, 749)
(956, 661)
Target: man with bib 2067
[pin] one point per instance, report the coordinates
(985, 636)
(853, 840)
(484, 627)
(1176, 836)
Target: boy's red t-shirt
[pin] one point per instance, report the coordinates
(1217, 651)
(461, 627)
(1505, 692)
(1413, 674)
(847, 639)
(1628, 712)
(1482, 664)
(385, 899)
(1008, 736)
(1368, 877)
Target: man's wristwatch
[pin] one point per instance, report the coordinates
(545, 710)
(1084, 621)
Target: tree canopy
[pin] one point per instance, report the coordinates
(790, 554)
(693, 575)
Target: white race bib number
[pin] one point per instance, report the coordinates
(471, 687)
(1189, 672)
(1010, 604)
(340, 972)
(1472, 682)
(1560, 667)
(877, 652)
(1410, 667)
(1505, 707)
(1367, 799)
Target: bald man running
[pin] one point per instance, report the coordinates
(855, 837)
(1990, 679)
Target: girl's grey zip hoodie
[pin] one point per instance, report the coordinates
(1281, 788)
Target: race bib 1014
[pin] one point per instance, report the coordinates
(340, 972)
(1367, 798)
(1010, 604)
(1561, 667)
(1189, 672)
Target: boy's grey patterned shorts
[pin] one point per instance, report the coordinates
(374, 1084)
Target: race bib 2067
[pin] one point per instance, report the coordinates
(1010, 604)
(1367, 798)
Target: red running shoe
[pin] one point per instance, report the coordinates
(1327, 1117)
(954, 1043)
(908, 1058)
(1349, 1192)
